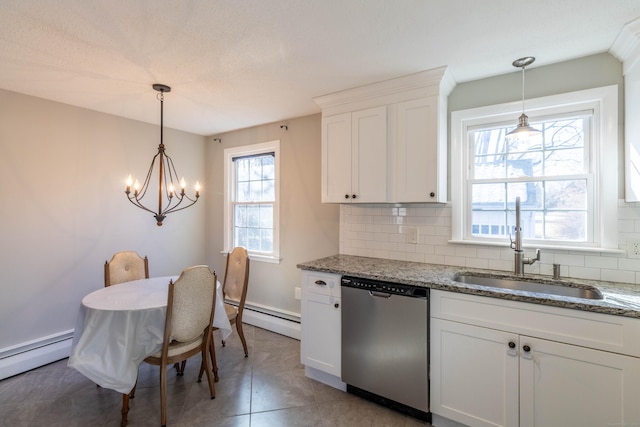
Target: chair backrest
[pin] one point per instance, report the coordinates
(124, 267)
(191, 303)
(236, 275)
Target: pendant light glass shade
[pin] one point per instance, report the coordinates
(523, 130)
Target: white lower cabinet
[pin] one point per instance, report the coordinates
(321, 334)
(500, 376)
(567, 385)
(320, 345)
(474, 379)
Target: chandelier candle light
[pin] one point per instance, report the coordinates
(167, 176)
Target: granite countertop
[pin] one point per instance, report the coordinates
(620, 299)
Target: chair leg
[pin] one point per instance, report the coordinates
(241, 334)
(214, 362)
(180, 368)
(125, 409)
(205, 360)
(163, 396)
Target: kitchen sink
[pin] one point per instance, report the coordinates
(565, 290)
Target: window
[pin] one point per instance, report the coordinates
(566, 176)
(251, 195)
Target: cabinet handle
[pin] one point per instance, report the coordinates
(321, 283)
(526, 348)
(336, 305)
(512, 344)
(432, 194)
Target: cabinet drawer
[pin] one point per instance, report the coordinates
(617, 334)
(321, 283)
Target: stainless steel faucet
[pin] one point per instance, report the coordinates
(519, 259)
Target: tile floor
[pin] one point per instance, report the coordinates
(266, 389)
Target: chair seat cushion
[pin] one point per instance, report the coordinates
(231, 310)
(176, 347)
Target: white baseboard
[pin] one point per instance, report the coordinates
(324, 378)
(271, 323)
(31, 355)
(438, 421)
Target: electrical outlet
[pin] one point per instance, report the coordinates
(412, 234)
(296, 293)
(633, 248)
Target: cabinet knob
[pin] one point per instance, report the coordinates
(336, 305)
(432, 194)
(526, 348)
(512, 344)
(353, 196)
(321, 283)
(346, 196)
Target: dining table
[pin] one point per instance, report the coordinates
(118, 326)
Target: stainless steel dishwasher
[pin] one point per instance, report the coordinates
(385, 354)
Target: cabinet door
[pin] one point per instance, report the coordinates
(418, 168)
(369, 154)
(336, 158)
(566, 385)
(474, 374)
(320, 344)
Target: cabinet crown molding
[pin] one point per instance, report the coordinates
(626, 47)
(437, 81)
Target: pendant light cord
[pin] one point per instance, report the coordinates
(523, 90)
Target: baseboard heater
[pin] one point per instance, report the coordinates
(33, 354)
(277, 321)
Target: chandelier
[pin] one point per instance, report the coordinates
(523, 130)
(170, 199)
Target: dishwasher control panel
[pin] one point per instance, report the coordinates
(384, 287)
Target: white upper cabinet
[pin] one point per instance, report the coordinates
(354, 157)
(420, 152)
(387, 142)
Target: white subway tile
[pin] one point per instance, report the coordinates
(584, 273)
(618, 275)
(434, 259)
(477, 263)
(601, 262)
(570, 260)
(415, 257)
(466, 251)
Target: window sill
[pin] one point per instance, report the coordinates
(547, 247)
(262, 258)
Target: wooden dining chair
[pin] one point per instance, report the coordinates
(187, 332)
(234, 288)
(125, 266)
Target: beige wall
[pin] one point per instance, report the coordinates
(64, 212)
(569, 76)
(309, 229)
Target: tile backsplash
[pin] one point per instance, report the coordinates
(388, 231)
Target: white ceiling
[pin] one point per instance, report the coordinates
(238, 63)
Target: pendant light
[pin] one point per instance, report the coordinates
(523, 130)
(167, 178)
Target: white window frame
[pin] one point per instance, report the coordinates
(229, 192)
(603, 101)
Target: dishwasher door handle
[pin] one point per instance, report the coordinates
(379, 294)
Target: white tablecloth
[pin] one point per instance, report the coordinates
(119, 326)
